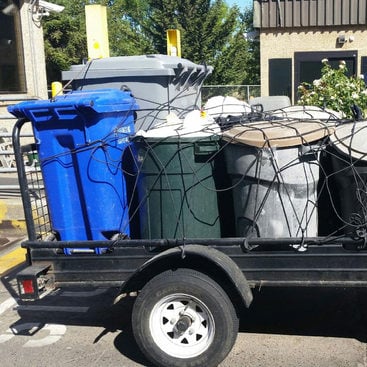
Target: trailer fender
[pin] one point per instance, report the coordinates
(192, 256)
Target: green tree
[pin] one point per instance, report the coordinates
(124, 26)
(65, 33)
(65, 38)
(211, 32)
(239, 61)
(205, 27)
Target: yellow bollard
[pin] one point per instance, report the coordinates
(97, 31)
(56, 89)
(173, 42)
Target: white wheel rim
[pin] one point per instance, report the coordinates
(182, 344)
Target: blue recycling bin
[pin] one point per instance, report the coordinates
(81, 137)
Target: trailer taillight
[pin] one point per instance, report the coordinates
(26, 286)
(34, 282)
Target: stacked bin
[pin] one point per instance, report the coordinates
(274, 170)
(80, 138)
(176, 184)
(348, 178)
(160, 83)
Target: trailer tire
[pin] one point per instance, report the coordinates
(183, 318)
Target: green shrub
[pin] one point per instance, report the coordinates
(335, 90)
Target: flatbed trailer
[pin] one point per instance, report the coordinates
(190, 290)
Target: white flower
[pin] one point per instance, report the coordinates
(364, 92)
(316, 82)
(361, 76)
(324, 61)
(341, 66)
(342, 62)
(355, 95)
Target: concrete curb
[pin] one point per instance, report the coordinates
(11, 260)
(13, 224)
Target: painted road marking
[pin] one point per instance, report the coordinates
(29, 327)
(12, 259)
(56, 332)
(10, 302)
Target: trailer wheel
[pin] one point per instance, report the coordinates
(184, 318)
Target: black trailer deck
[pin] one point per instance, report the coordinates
(272, 264)
(325, 260)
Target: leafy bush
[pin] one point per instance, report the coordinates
(335, 90)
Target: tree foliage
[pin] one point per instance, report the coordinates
(211, 32)
(65, 38)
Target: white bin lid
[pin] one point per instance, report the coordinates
(220, 106)
(350, 139)
(279, 133)
(306, 113)
(192, 126)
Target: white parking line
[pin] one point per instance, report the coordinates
(9, 303)
(56, 333)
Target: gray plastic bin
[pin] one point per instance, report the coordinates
(274, 170)
(159, 83)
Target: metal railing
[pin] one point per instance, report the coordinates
(242, 92)
(7, 157)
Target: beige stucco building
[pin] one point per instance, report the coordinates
(22, 58)
(295, 35)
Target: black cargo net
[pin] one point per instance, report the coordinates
(296, 172)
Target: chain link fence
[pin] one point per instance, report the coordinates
(242, 92)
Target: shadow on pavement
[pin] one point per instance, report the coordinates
(327, 312)
(333, 312)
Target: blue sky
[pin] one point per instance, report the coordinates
(241, 3)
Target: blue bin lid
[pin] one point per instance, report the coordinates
(79, 102)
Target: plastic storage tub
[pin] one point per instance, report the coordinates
(177, 186)
(274, 170)
(160, 83)
(348, 157)
(80, 139)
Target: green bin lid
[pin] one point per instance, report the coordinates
(350, 139)
(278, 133)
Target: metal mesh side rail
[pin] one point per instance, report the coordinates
(31, 185)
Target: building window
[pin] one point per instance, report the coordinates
(12, 79)
(280, 77)
(308, 65)
(364, 68)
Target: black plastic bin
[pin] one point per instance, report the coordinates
(348, 179)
